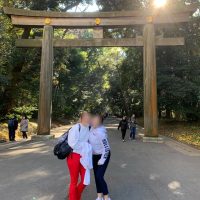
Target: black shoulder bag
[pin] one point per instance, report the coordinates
(62, 149)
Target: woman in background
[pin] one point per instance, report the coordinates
(24, 126)
(133, 125)
(123, 124)
(101, 156)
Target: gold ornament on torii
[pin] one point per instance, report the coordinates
(47, 21)
(97, 21)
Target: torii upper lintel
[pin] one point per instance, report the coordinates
(34, 18)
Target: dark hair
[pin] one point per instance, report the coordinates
(25, 116)
(101, 118)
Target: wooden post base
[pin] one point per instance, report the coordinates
(153, 139)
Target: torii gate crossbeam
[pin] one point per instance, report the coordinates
(146, 18)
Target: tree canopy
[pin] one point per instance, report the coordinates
(99, 79)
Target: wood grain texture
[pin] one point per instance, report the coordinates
(21, 21)
(150, 82)
(98, 32)
(46, 74)
(134, 13)
(99, 42)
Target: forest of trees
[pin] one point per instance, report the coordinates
(99, 79)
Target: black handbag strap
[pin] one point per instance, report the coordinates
(79, 127)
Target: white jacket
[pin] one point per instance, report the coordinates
(24, 125)
(86, 161)
(78, 140)
(99, 140)
(77, 137)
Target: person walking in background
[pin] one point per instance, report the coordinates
(133, 125)
(15, 126)
(24, 126)
(123, 124)
(81, 157)
(12, 127)
(105, 115)
(101, 156)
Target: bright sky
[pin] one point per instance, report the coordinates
(94, 7)
(86, 8)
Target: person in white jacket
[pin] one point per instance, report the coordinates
(101, 155)
(79, 160)
(24, 126)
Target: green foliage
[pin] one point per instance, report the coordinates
(99, 79)
(29, 111)
(179, 75)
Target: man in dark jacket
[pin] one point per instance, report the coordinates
(12, 127)
(123, 124)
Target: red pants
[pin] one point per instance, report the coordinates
(75, 169)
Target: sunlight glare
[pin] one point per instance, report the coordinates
(159, 3)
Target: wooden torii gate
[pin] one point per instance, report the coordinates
(146, 18)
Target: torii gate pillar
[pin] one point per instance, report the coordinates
(46, 74)
(98, 21)
(150, 81)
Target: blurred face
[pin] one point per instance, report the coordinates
(85, 118)
(124, 118)
(96, 121)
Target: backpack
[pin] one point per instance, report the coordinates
(11, 123)
(62, 149)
